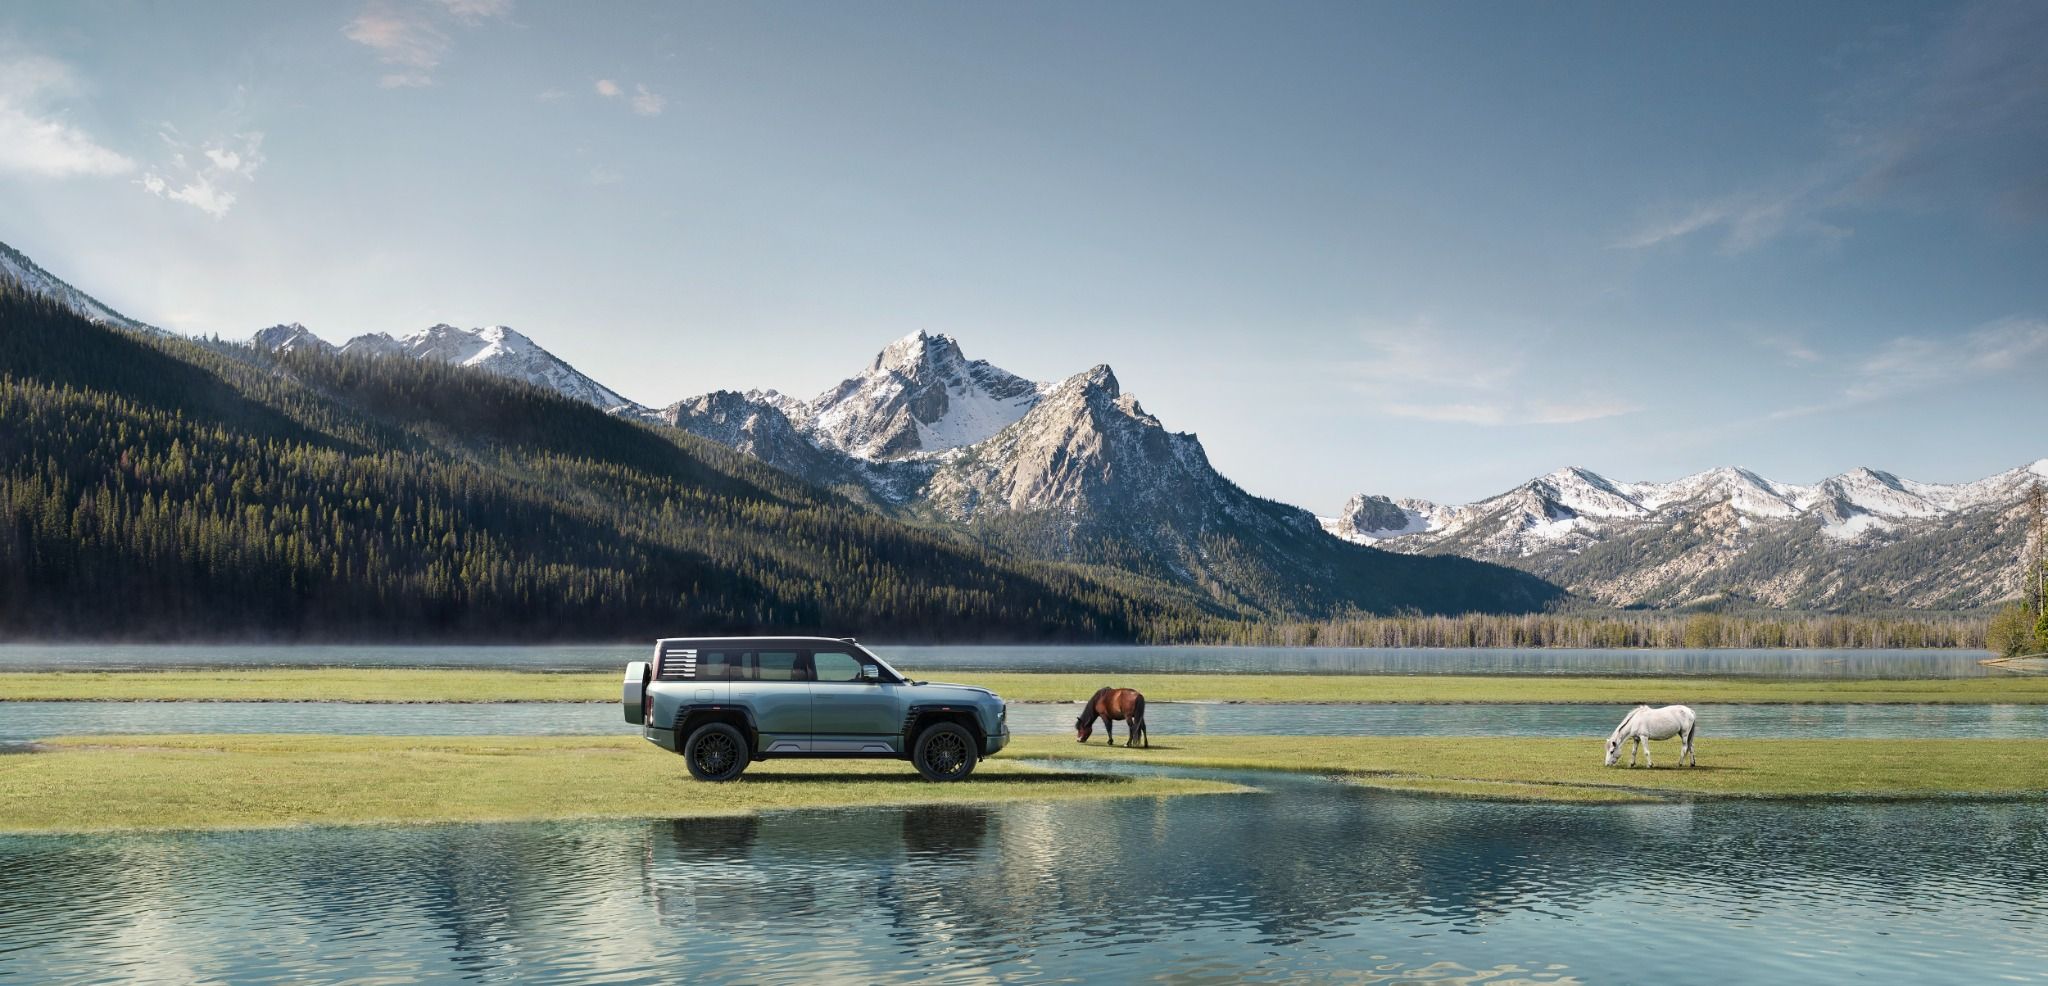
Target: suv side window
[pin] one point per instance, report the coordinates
(722, 665)
(836, 666)
(779, 665)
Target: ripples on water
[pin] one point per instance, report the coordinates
(1105, 659)
(1307, 881)
(20, 721)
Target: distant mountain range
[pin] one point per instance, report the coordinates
(1069, 487)
(1077, 471)
(1863, 538)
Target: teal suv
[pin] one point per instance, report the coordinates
(724, 702)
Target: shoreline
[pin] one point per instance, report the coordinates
(468, 687)
(188, 783)
(1568, 771)
(198, 782)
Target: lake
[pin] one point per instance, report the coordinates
(21, 721)
(1093, 659)
(1307, 880)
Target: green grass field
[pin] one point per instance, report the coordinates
(281, 685)
(1570, 769)
(106, 783)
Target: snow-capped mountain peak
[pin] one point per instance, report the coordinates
(288, 338)
(498, 349)
(15, 266)
(1691, 538)
(920, 395)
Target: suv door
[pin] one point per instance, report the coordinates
(849, 713)
(772, 684)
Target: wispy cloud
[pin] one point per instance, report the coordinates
(1422, 372)
(411, 39)
(477, 10)
(647, 102)
(1911, 363)
(1792, 348)
(1958, 122)
(208, 176)
(1906, 365)
(37, 140)
(644, 101)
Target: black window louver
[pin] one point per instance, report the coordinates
(678, 664)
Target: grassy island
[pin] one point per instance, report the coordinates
(1570, 769)
(127, 783)
(404, 685)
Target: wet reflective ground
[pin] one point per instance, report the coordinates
(21, 721)
(1308, 880)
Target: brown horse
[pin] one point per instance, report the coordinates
(1109, 705)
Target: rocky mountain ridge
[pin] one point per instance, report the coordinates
(1863, 537)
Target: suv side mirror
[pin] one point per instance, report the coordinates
(869, 672)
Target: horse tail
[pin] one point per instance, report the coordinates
(1138, 708)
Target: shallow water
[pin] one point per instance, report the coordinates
(1308, 880)
(1103, 659)
(20, 721)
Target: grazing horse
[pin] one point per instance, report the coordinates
(1109, 705)
(1643, 724)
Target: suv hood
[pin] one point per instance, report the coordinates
(948, 690)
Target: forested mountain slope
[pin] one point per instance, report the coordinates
(153, 486)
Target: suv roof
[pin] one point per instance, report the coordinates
(757, 641)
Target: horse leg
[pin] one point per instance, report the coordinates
(1109, 730)
(1649, 759)
(1145, 728)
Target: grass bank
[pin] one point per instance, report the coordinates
(98, 784)
(393, 685)
(1570, 769)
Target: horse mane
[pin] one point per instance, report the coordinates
(1088, 713)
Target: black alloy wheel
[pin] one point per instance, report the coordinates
(945, 752)
(716, 752)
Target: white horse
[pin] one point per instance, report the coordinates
(1643, 724)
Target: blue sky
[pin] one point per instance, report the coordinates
(1419, 249)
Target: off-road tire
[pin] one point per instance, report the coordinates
(716, 752)
(945, 752)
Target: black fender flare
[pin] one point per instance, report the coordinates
(689, 717)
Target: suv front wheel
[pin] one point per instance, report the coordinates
(945, 752)
(716, 752)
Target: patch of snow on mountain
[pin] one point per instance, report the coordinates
(15, 265)
(920, 395)
(506, 353)
(372, 344)
(289, 338)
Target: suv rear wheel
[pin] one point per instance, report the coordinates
(945, 752)
(716, 752)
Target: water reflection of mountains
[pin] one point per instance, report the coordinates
(968, 884)
(1298, 863)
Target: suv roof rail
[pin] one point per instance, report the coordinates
(849, 640)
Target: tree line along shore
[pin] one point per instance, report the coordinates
(1613, 630)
